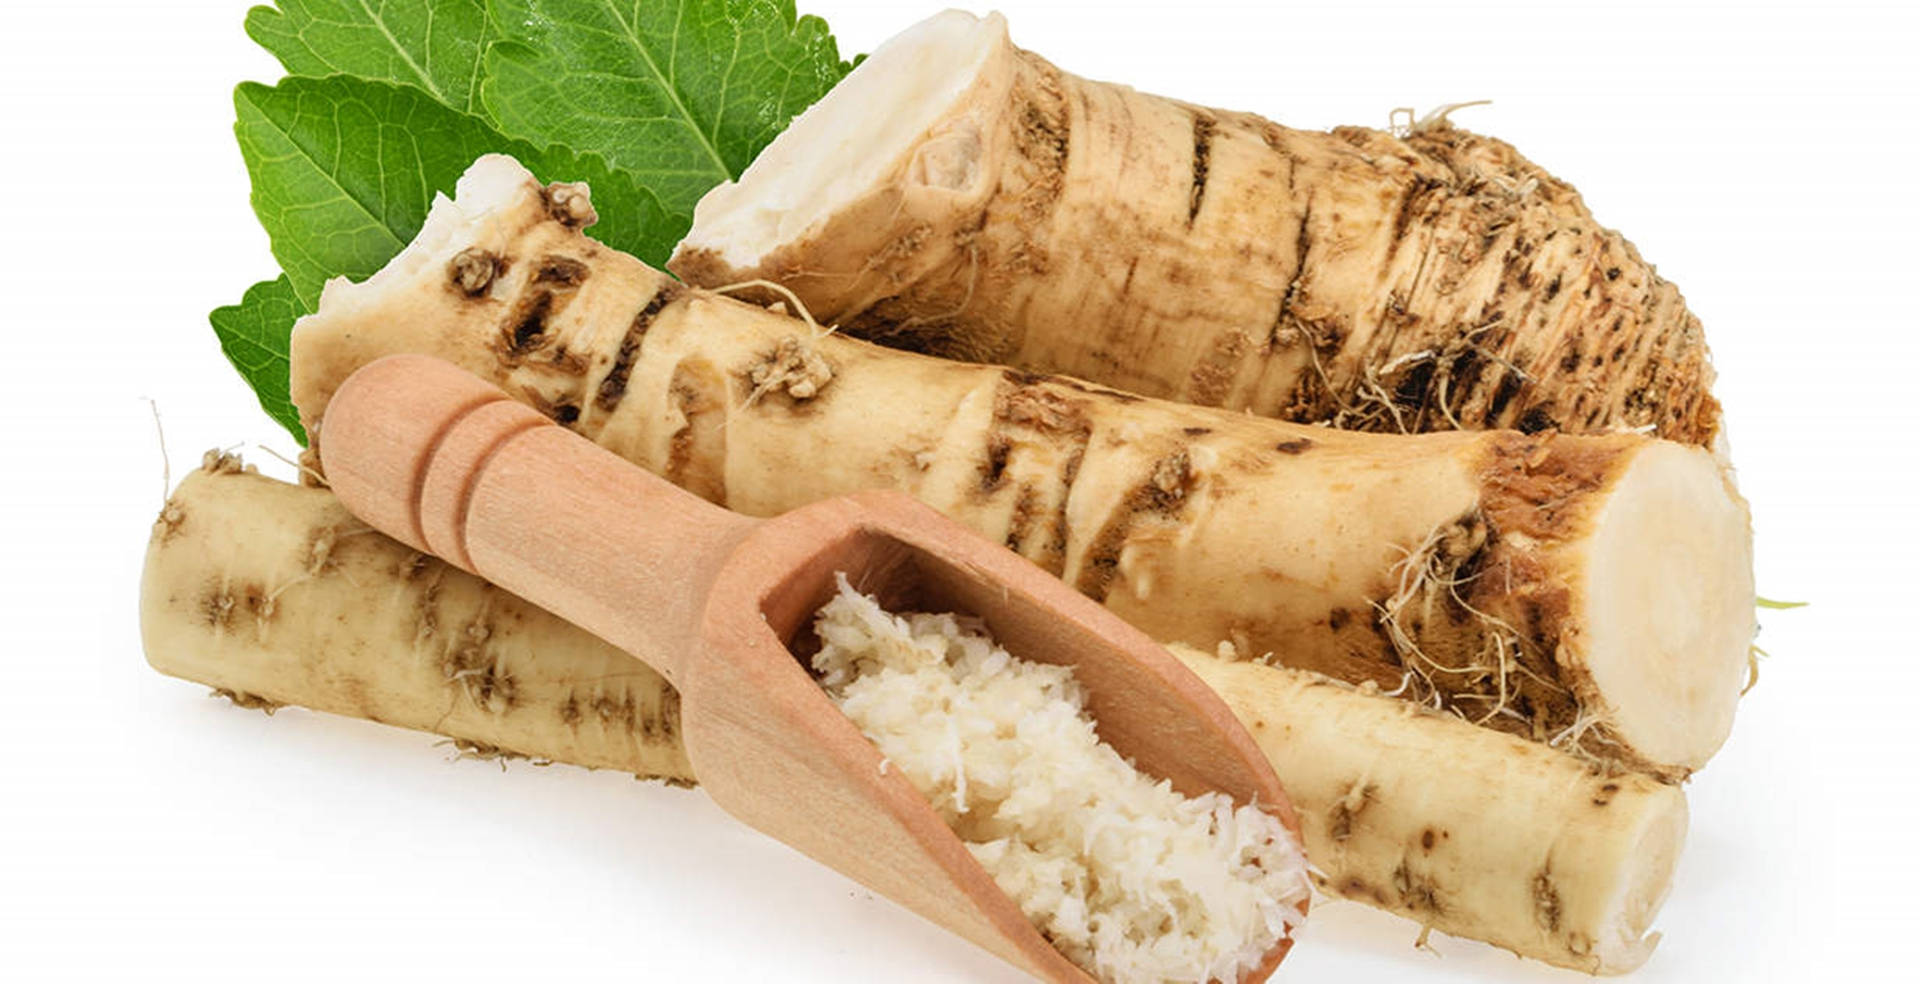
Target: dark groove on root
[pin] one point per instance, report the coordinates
(561, 271)
(1284, 318)
(993, 468)
(526, 326)
(614, 386)
(1032, 415)
(1203, 126)
(1024, 505)
(1163, 493)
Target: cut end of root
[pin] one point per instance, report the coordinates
(1624, 942)
(1670, 593)
(888, 115)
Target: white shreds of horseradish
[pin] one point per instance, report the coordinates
(1126, 877)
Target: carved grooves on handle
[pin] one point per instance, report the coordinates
(473, 481)
(470, 455)
(417, 493)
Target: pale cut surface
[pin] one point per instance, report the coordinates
(842, 145)
(1670, 577)
(1133, 881)
(1623, 942)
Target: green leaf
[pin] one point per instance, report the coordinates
(1781, 605)
(344, 171)
(434, 45)
(681, 93)
(253, 334)
(651, 102)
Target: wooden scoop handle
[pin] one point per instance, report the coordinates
(447, 463)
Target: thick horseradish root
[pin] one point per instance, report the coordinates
(1592, 592)
(1131, 880)
(959, 196)
(274, 594)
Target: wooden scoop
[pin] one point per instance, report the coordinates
(718, 602)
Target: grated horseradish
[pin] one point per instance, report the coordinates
(1126, 877)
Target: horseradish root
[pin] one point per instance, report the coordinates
(1400, 810)
(1593, 592)
(959, 196)
(1528, 848)
(1129, 879)
(274, 593)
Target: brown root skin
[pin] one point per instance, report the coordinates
(1197, 525)
(1435, 281)
(272, 594)
(1477, 834)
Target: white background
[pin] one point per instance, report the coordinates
(1763, 155)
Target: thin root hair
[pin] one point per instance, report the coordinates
(166, 463)
(319, 479)
(799, 307)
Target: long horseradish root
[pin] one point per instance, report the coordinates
(960, 196)
(1594, 592)
(273, 593)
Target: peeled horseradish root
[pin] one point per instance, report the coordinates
(274, 594)
(1592, 592)
(960, 196)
